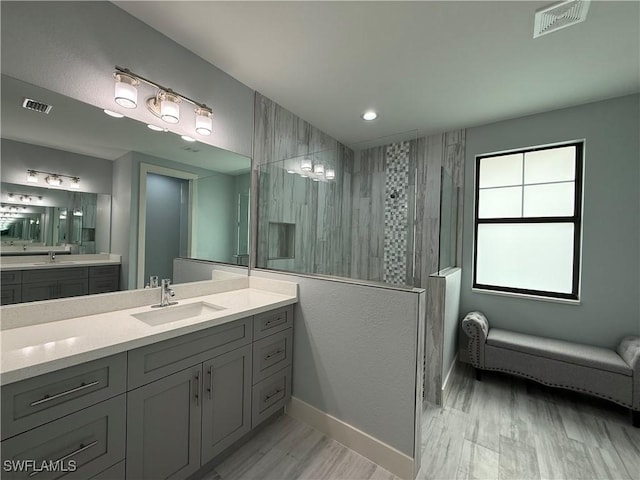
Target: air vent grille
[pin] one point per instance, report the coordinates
(36, 106)
(560, 15)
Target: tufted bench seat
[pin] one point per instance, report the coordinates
(613, 375)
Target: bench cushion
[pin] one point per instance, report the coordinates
(585, 355)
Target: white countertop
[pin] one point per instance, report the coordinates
(31, 262)
(41, 348)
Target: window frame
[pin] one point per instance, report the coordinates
(576, 219)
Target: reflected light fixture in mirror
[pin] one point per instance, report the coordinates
(113, 114)
(318, 168)
(126, 93)
(32, 177)
(330, 174)
(53, 180)
(306, 165)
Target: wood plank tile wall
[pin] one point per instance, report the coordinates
(340, 224)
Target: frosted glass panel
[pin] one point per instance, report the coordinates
(501, 171)
(500, 203)
(552, 165)
(552, 199)
(533, 256)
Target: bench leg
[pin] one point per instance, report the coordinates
(478, 374)
(635, 418)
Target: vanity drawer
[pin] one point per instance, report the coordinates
(270, 395)
(158, 360)
(271, 354)
(103, 284)
(12, 277)
(84, 443)
(38, 400)
(265, 324)
(104, 271)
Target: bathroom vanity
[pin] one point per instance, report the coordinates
(146, 392)
(33, 278)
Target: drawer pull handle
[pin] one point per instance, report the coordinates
(269, 397)
(274, 354)
(274, 321)
(80, 449)
(48, 398)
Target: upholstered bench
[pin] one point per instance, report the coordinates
(596, 371)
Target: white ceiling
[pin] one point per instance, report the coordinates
(80, 128)
(426, 66)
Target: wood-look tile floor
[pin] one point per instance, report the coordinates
(506, 428)
(289, 450)
(501, 428)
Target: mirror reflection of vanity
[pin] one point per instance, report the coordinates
(120, 207)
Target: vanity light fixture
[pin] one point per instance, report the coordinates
(330, 174)
(369, 115)
(113, 114)
(53, 179)
(315, 179)
(318, 168)
(166, 102)
(77, 212)
(306, 165)
(126, 91)
(290, 171)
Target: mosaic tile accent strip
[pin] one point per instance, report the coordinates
(396, 213)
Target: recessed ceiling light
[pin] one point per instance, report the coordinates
(187, 138)
(155, 128)
(113, 114)
(369, 115)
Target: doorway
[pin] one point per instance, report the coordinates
(165, 220)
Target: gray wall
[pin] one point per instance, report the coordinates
(72, 48)
(609, 307)
(17, 157)
(215, 222)
(355, 351)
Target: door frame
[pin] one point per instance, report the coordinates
(146, 168)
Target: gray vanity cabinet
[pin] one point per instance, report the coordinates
(226, 404)
(54, 283)
(163, 427)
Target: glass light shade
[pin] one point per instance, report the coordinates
(126, 93)
(75, 182)
(306, 165)
(53, 180)
(169, 109)
(77, 212)
(318, 168)
(330, 174)
(32, 176)
(204, 122)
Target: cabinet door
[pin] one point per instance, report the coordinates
(32, 292)
(226, 414)
(72, 288)
(163, 427)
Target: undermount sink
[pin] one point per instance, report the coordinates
(174, 313)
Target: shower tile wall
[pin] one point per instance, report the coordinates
(396, 214)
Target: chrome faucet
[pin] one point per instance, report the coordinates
(52, 257)
(166, 292)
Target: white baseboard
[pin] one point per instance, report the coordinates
(384, 455)
(446, 380)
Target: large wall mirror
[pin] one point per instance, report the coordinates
(147, 195)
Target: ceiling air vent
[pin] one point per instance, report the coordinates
(560, 15)
(36, 106)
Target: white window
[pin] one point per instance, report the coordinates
(527, 221)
